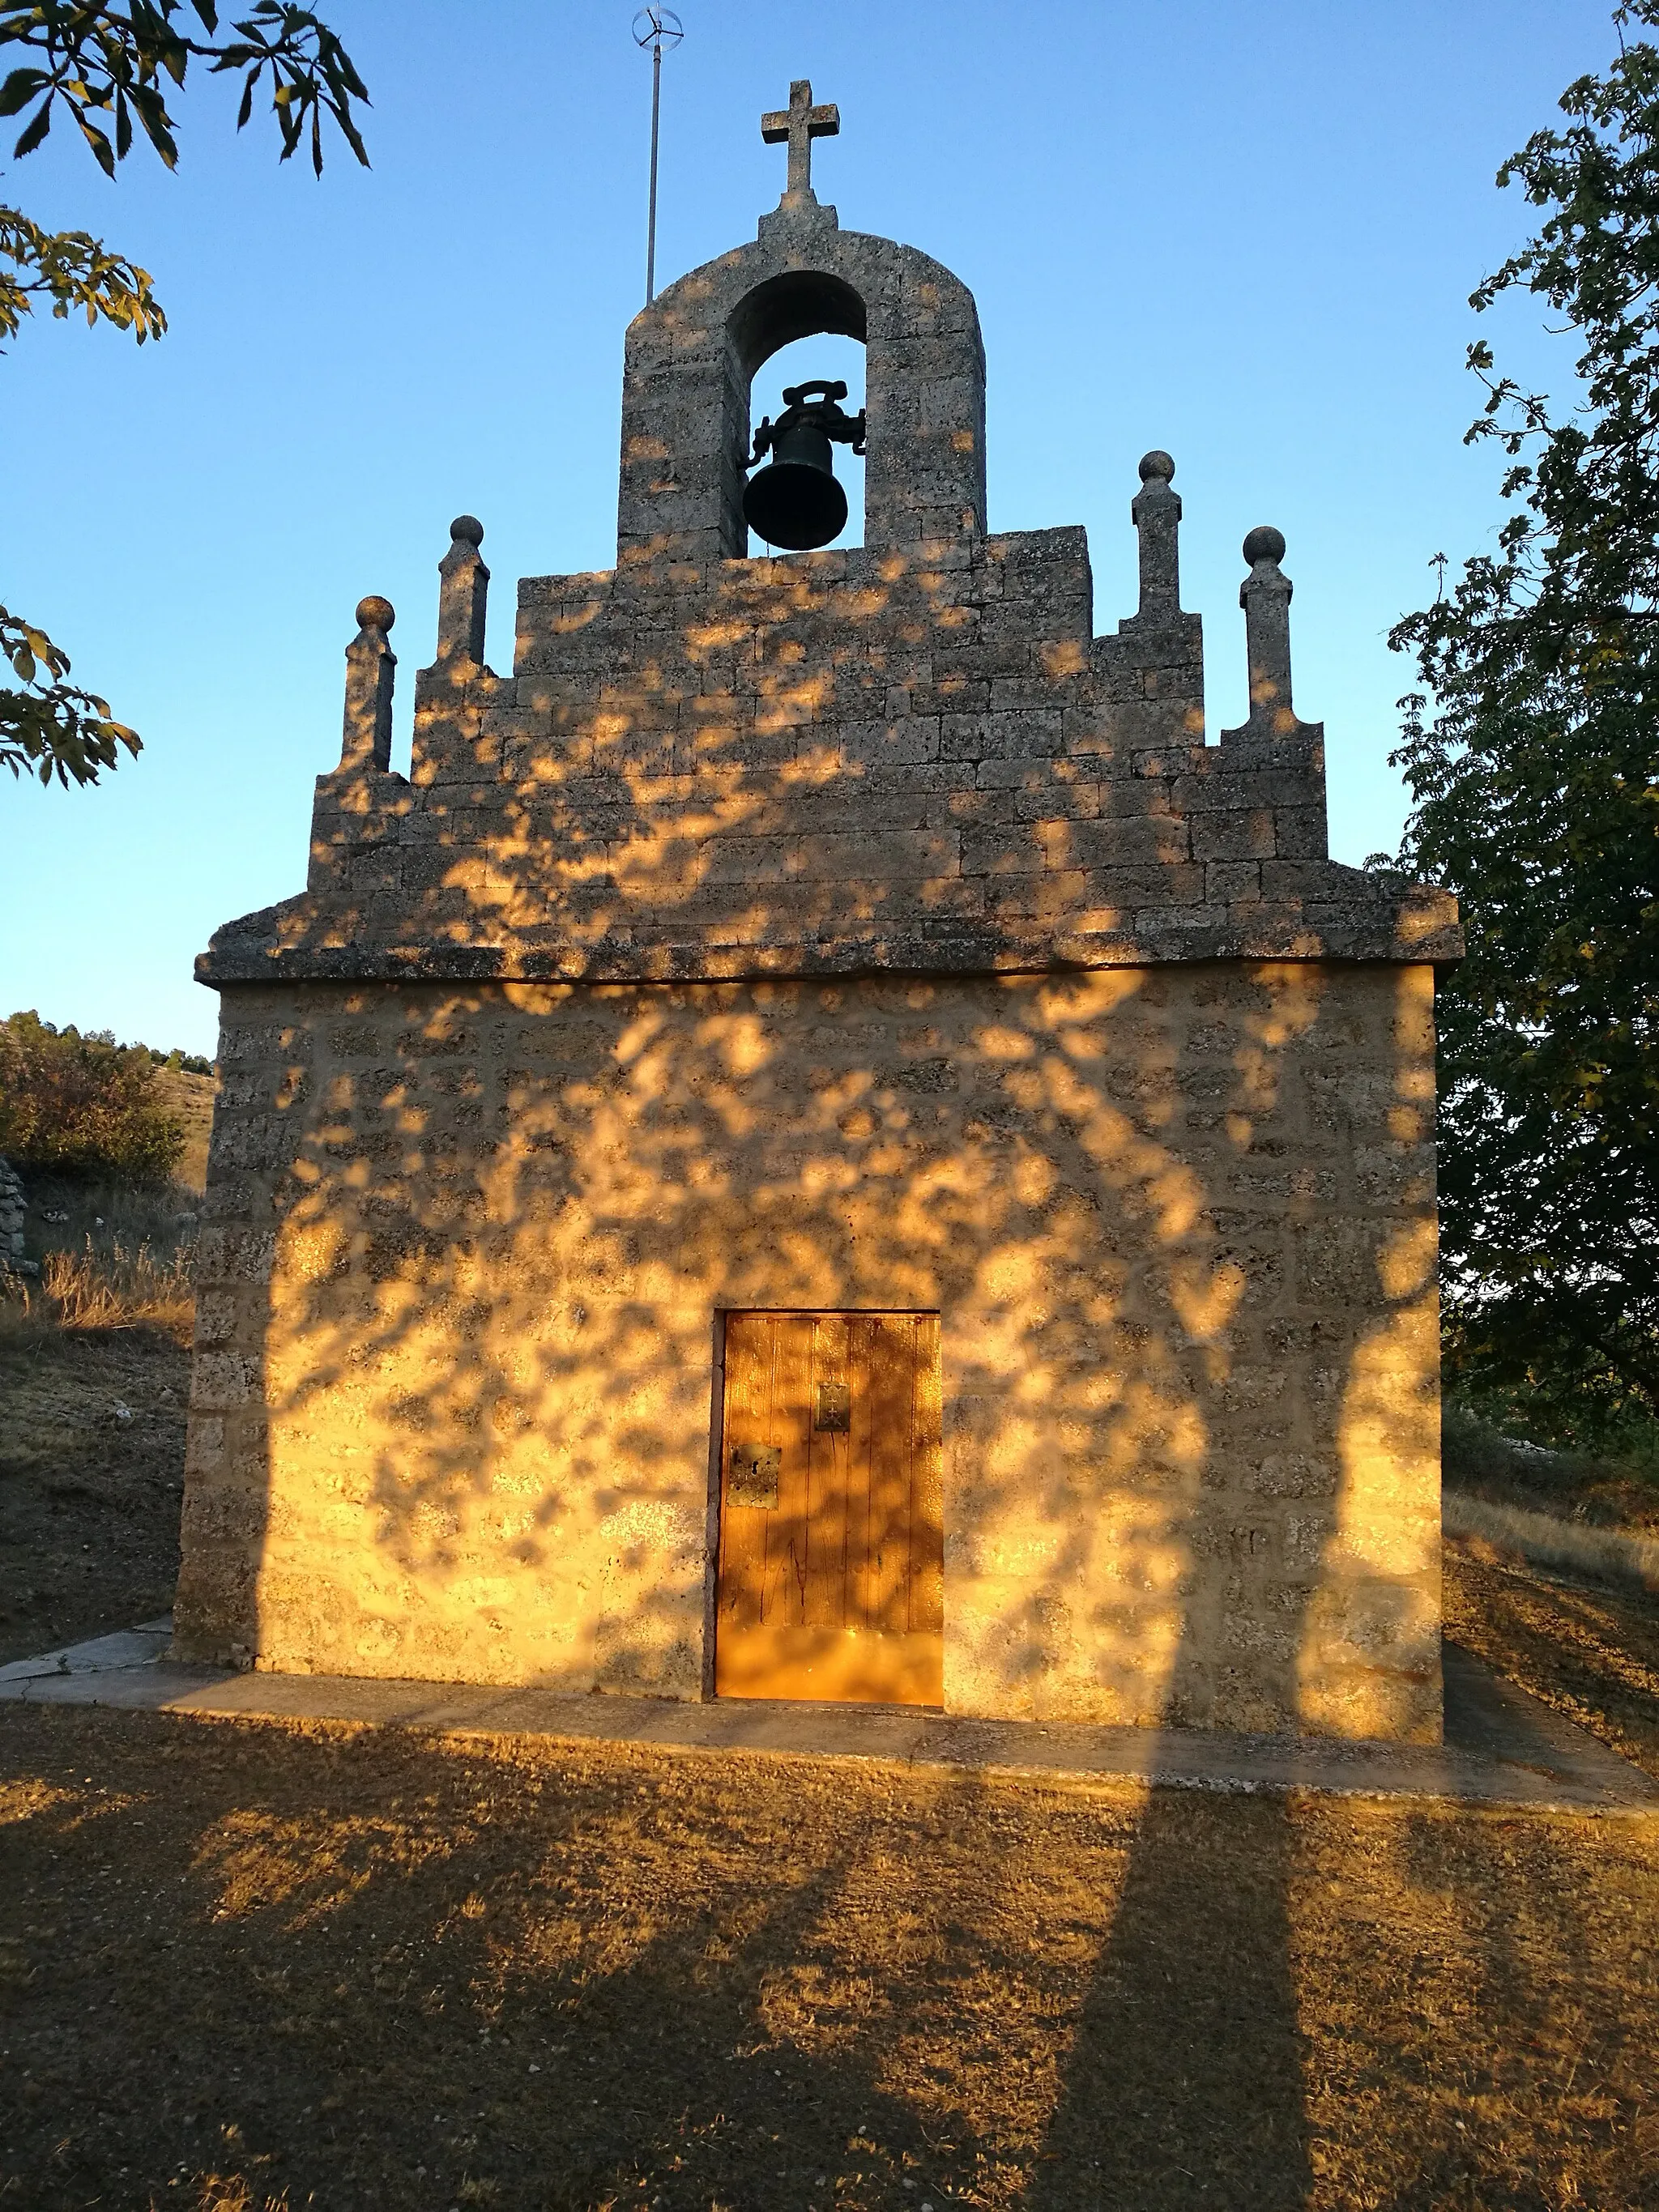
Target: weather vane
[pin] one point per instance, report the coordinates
(656, 27)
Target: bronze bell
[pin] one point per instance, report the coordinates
(795, 502)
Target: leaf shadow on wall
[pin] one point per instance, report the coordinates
(488, 1359)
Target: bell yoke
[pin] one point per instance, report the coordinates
(796, 501)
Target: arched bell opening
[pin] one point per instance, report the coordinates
(694, 354)
(796, 371)
(828, 372)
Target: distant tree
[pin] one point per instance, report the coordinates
(83, 1105)
(110, 69)
(1534, 779)
(181, 1063)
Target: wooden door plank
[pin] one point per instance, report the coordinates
(927, 1609)
(891, 1411)
(788, 1528)
(828, 1452)
(859, 1328)
(746, 1423)
(832, 1663)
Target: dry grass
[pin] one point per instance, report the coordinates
(119, 1288)
(317, 1966)
(110, 1257)
(1507, 1532)
(189, 1099)
(1591, 1650)
(91, 1454)
(1595, 1490)
(257, 1969)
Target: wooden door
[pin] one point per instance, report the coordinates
(831, 1557)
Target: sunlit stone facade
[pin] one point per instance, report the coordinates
(855, 930)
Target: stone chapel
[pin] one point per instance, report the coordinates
(826, 1140)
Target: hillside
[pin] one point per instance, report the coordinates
(189, 1099)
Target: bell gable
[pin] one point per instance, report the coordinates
(912, 756)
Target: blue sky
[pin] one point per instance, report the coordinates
(1245, 233)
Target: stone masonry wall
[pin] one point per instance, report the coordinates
(13, 1215)
(845, 761)
(456, 1378)
(913, 756)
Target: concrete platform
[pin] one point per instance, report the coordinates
(1503, 1747)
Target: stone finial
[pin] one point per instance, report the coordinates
(370, 663)
(463, 594)
(1265, 596)
(796, 126)
(1155, 511)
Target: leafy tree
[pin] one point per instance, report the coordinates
(83, 1105)
(110, 71)
(1535, 789)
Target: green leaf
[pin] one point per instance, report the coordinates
(35, 135)
(19, 89)
(103, 153)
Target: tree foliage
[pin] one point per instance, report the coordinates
(1536, 789)
(83, 1105)
(51, 726)
(72, 269)
(110, 71)
(109, 68)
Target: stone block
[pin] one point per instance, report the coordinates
(1244, 834)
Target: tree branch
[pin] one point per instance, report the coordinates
(53, 728)
(72, 269)
(112, 65)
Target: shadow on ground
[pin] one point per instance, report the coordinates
(362, 1968)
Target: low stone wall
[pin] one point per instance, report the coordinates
(13, 1205)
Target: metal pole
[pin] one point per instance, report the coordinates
(654, 26)
(651, 224)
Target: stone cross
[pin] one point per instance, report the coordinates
(797, 126)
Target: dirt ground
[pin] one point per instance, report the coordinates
(94, 1378)
(1587, 1648)
(248, 1965)
(91, 1454)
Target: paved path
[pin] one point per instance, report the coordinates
(1501, 1746)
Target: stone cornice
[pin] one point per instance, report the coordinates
(297, 943)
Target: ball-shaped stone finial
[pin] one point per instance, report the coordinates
(375, 613)
(468, 529)
(1157, 463)
(1264, 543)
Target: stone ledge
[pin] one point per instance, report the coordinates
(1413, 935)
(1501, 1747)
